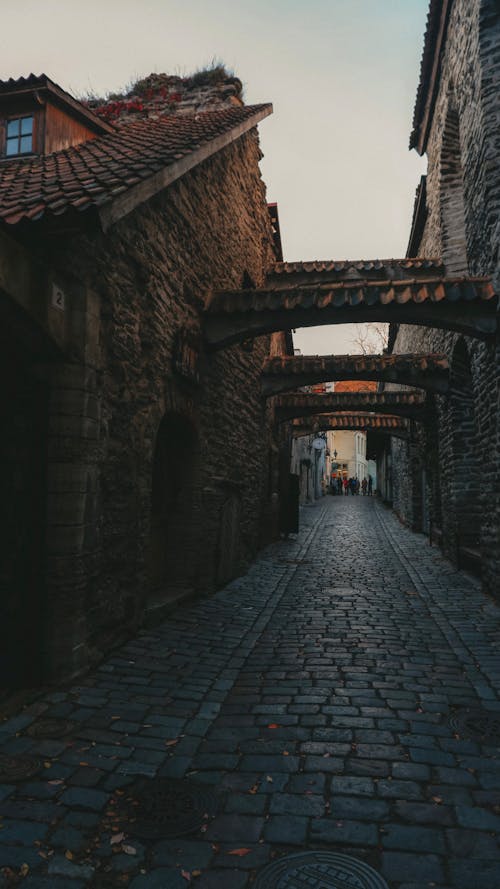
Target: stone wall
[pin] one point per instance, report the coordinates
(463, 199)
(152, 272)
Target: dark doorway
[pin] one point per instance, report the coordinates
(172, 562)
(23, 460)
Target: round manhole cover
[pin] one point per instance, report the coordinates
(50, 728)
(319, 870)
(164, 808)
(477, 724)
(17, 768)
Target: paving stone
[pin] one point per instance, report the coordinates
(288, 830)
(424, 813)
(235, 828)
(182, 853)
(292, 804)
(159, 878)
(473, 874)
(399, 789)
(359, 808)
(477, 819)
(86, 798)
(413, 839)
(23, 833)
(398, 865)
(343, 832)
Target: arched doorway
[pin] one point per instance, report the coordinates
(175, 463)
(465, 486)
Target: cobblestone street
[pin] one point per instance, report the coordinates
(314, 694)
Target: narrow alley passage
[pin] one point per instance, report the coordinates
(319, 696)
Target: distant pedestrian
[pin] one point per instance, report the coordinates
(370, 486)
(357, 485)
(364, 485)
(340, 487)
(352, 485)
(346, 486)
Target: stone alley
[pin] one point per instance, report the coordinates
(321, 700)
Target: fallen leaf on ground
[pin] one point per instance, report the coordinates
(69, 855)
(172, 742)
(56, 781)
(117, 838)
(24, 870)
(129, 850)
(239, 852)
(186, 874)
(273, 725)
(254, 789)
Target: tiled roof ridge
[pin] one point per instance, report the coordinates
(434, 41)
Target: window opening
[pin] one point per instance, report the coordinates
(19, 136)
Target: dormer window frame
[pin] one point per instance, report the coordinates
(18, 115)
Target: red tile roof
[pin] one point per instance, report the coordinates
(94, 173)
(356, 386)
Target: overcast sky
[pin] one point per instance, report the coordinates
(342, 75)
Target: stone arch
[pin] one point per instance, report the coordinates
(453, 231)
(173, 504)
(465, 481)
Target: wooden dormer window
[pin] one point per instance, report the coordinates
(19, 135)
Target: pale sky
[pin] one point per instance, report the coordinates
(342, 76)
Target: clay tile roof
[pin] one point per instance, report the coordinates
(356, 386)
(355, 420)
(359, 265)
(350, 294)
(93, 173)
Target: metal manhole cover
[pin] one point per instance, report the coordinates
(477, 724)
(319, 870)
(164, 808)
(17, 768)
(50, 728)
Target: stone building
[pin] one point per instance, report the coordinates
(137, 466)
(446, 480)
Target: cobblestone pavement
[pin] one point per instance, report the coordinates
(313, 693)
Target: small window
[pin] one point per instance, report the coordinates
(19, 136)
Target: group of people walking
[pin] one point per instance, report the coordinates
(352, 486)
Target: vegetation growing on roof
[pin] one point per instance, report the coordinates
(159, 94)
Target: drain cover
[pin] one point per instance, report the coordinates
(50, 728)
(164, 808)
(477, 724)
(17, 768)
(319, 870)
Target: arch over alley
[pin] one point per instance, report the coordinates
(355, 422)
(396, 292)
(286, 372)
(405, 404)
